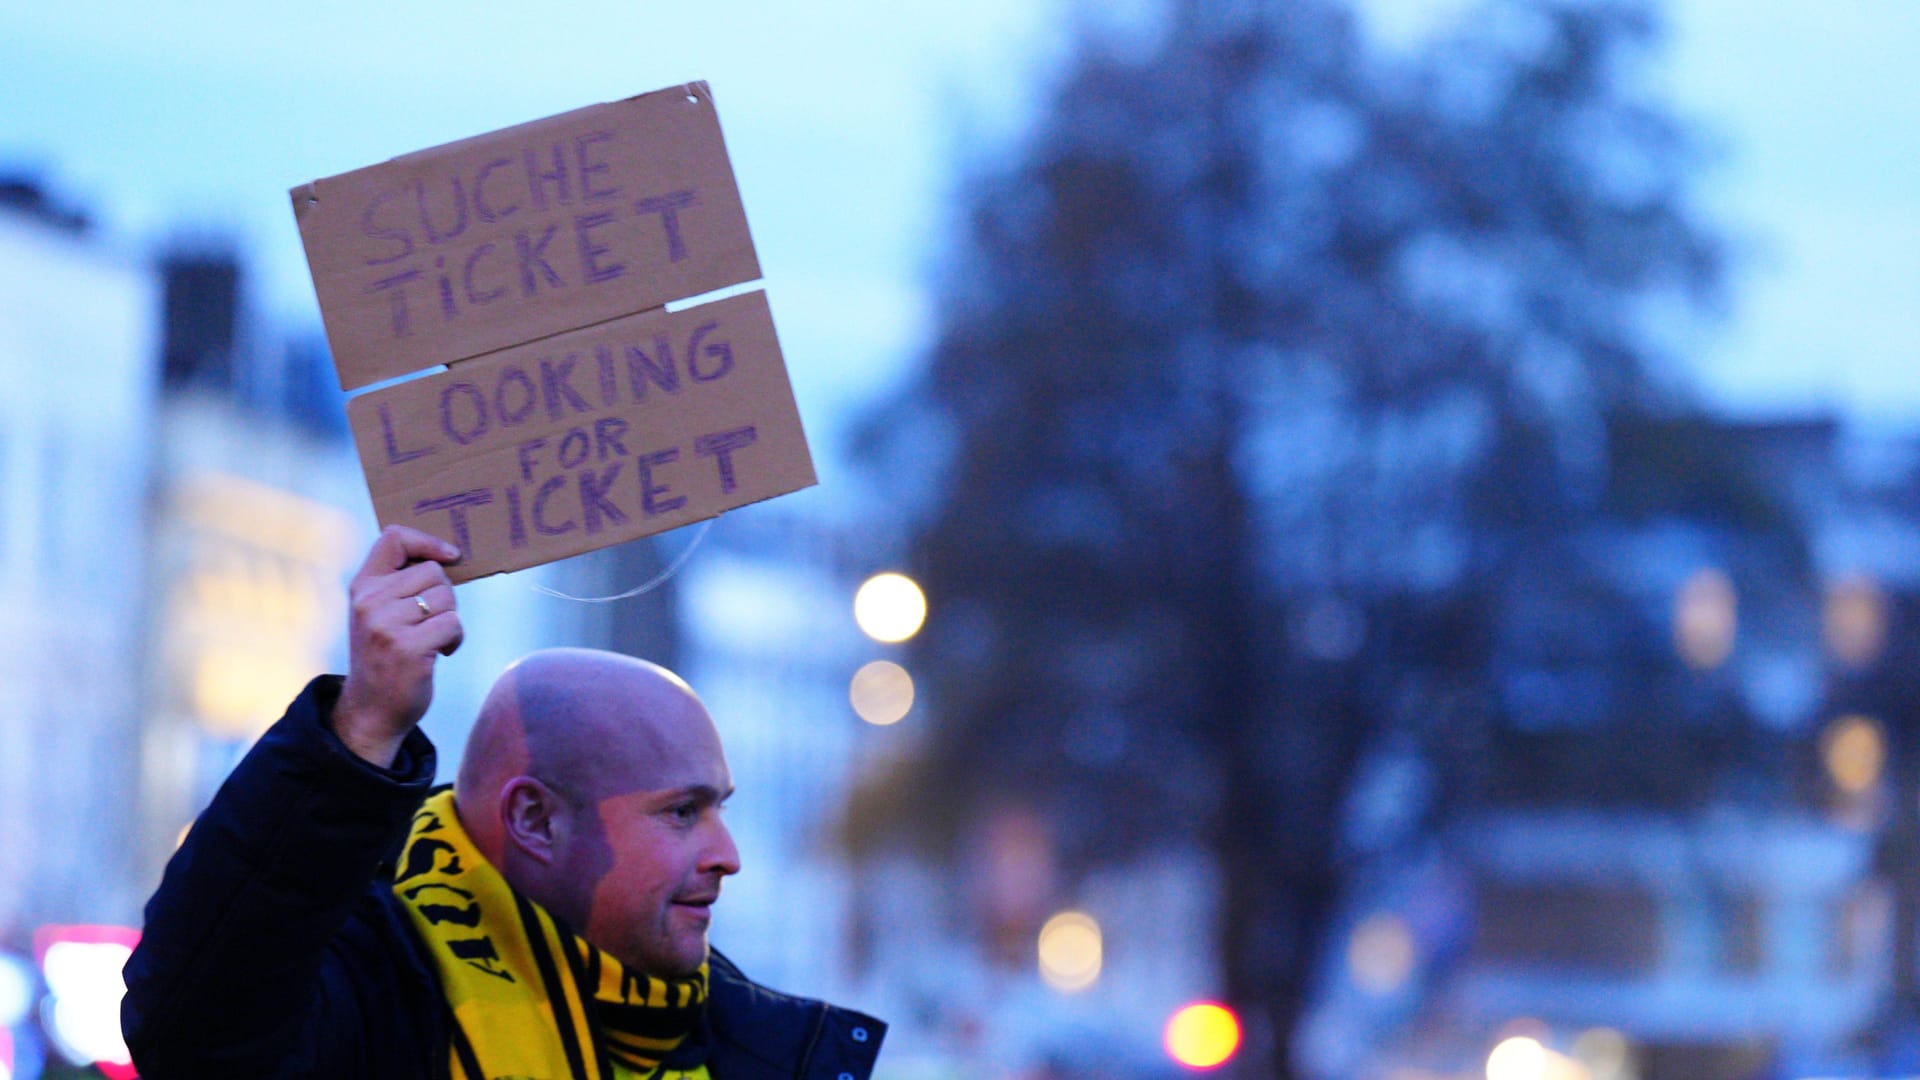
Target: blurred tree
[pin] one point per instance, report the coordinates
(1274, 381)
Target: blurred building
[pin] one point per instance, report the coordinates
(78, 334)
(1717, 891)
(1716, 945)
(259, 516)
(770, 645)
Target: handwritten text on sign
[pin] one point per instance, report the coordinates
(523, 233)
(591, 438)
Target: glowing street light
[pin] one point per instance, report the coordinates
(881, 692)
(1855, 752)
(1854, 621)
(1381, 954)
(1070, 951)
(1522, 1057)
(1605, 1052)
(889, 607)
(1706, 617)
(1203, 1035)
(1517, 1058)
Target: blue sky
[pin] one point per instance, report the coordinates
(843, 117)
(1817, 111)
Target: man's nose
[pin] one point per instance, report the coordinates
(721, 856)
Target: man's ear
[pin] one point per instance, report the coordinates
(534, 816)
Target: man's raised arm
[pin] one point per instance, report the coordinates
(246, 966)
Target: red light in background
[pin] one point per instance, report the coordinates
(1203, 1035)
(50, 935)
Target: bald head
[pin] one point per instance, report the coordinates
(589, 724)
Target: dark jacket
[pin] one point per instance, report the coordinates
(275, 948)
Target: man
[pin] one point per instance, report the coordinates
(546, 919)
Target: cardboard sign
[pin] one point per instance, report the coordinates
(523, 233)
(588, 439)
(575, 412)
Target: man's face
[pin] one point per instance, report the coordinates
(650, 861)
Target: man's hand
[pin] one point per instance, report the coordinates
(402, 619)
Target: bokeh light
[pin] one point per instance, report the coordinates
(1203, 1035)
(1070, 951)
(1380, 954)
(889, 607)
(1705, 619)
(1605, 1053)
(1854, 621)
(1517, 1058)
(1855, 751)
(881, 692)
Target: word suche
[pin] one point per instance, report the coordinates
(440, 241)
(466, 249)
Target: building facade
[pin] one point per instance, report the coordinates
(78, 334)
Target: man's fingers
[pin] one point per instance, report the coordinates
(399, 545)
(435, 611)
(414, 580)
(434, 600)
(388, 598)
(395, 605)
(426, 620)
(446, 632)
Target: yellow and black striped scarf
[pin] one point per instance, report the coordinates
(529, 997)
